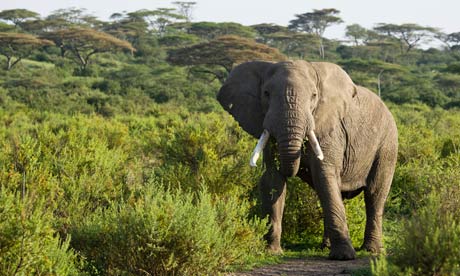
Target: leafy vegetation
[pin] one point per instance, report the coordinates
(115, 157)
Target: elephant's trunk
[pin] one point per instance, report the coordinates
(290, 144)
(289, 155)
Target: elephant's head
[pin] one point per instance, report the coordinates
(290, 100)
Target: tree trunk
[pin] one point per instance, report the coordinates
(378, 81)
(8, 63)
(321, 48)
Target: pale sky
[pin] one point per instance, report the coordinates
(443, 14)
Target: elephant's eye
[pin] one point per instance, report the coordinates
(266, 93)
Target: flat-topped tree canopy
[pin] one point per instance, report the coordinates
(16, 46)
(224, 52)
(84, 43)
(17, 16)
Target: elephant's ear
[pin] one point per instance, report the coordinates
(336, 90)
(240, 95)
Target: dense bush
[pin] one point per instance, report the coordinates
(28, 243)
(424, 200)
(169, 233)
(208, 149)
(429, 241)
(94, 170)
(89, 150)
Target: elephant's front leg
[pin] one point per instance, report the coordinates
(335, 221)
(273, 193)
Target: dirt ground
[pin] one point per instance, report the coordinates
(308, 266)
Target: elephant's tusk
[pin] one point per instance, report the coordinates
(315, 145)
(259, 148)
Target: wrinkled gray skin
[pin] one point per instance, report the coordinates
(355, 130)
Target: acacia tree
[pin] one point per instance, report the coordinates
(158, 19)
(373, 67)
(358, 34)
(212, 30)
(130, 27)
(266, 30)
(73, 17)
(16, 46)
(454, 38)
(83, 43)
(452, 42)
(62, 19)
(185, 9)
(18, 16)
(6, 27)
(409, 35)
(316, 23)
(223, 53)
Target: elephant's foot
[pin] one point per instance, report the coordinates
(342, 251)
(374, 247)
(275, 249)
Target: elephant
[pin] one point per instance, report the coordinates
(352, 143)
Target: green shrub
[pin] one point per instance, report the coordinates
(303, 216)
(428, 241)
(302, 219)
(208, 149)
(169, 233)
(28, 243)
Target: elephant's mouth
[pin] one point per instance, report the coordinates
(264, 139)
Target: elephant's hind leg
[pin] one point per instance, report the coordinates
(273, 193)
(375, 194)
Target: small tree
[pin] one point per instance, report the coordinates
(16, 46)
(158, 19)
(223, 52)
(73, 17)
(358, 34)
(410, 35)
(127, 27)
(185, 9)
(212, 30)
(18, 16)
(316, 23)
(452, 42)
(373, 67)
(265, 30)
(84, 43)
(294, 44)
(6, 27)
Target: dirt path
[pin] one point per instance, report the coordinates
(309, 266)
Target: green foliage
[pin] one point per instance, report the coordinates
(16, 46)
(28, 243)
(169, 233)
(207, 149)
(302, 223)
(18, 16)
(429, 242)
(81, 164)
(211, 30)
(90, 148)
(224, 51)
(356, 219)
